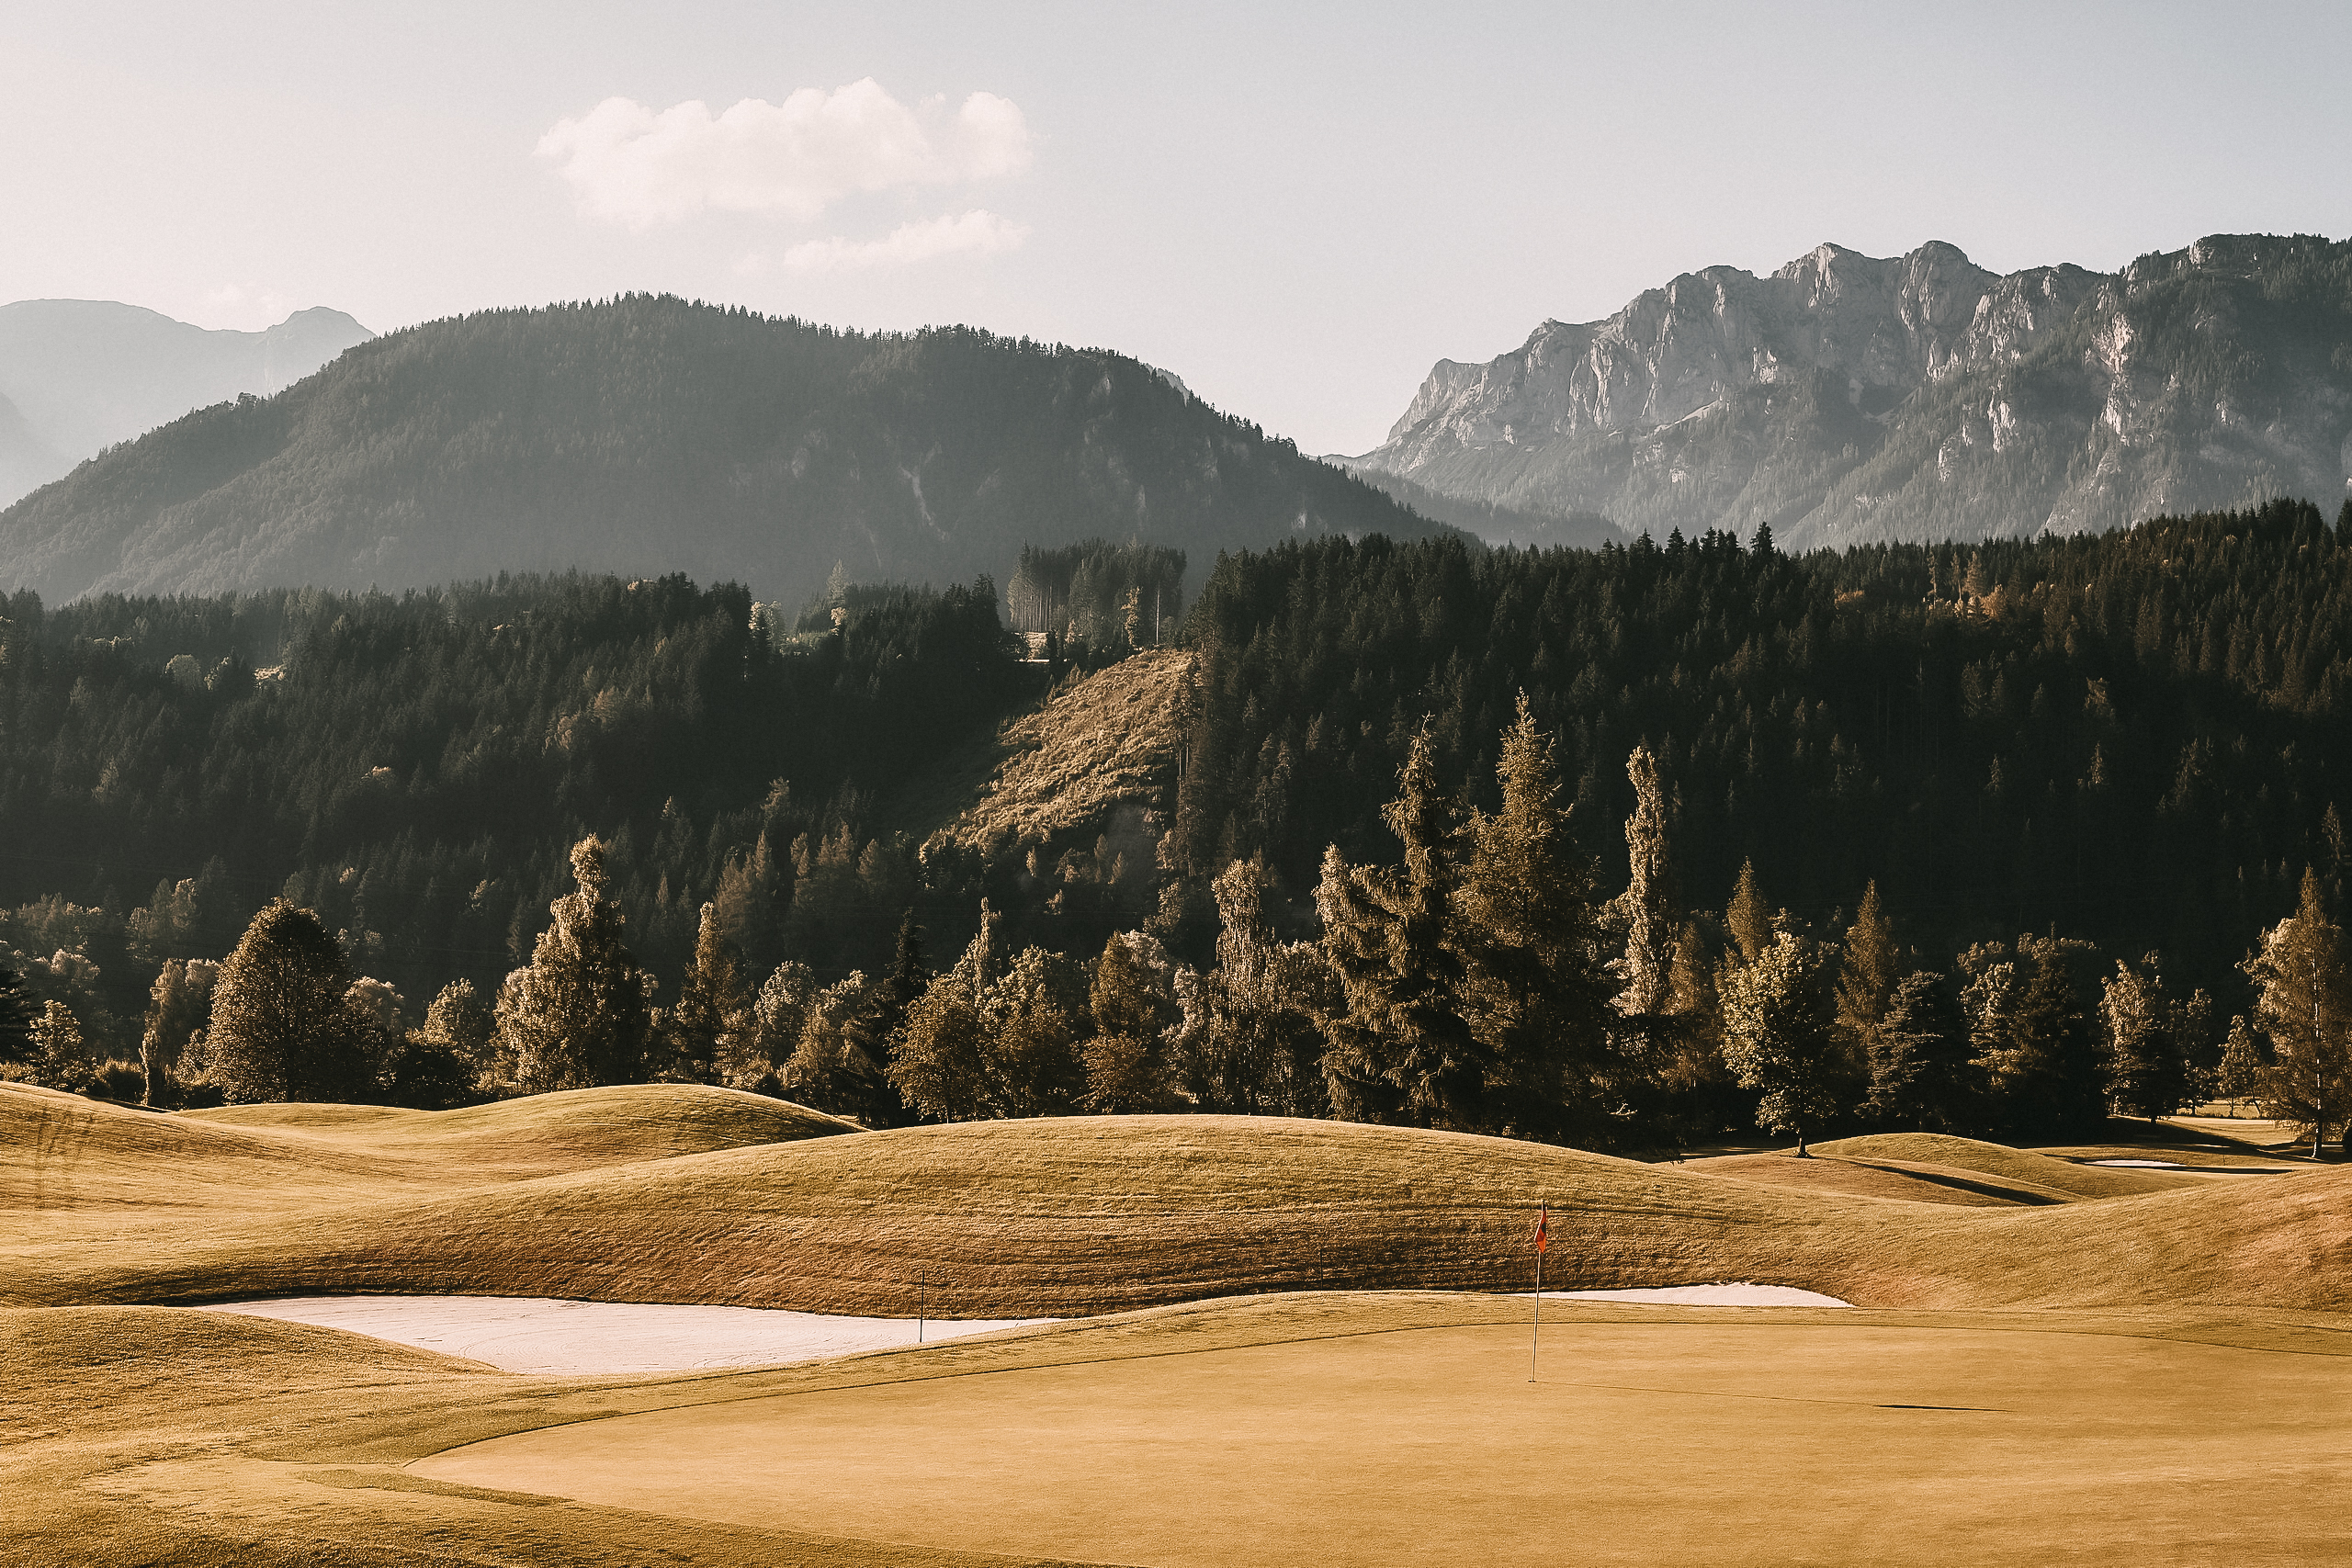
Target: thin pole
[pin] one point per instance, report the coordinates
(922, 1303)
(1535, 1342)
(1542, 1235)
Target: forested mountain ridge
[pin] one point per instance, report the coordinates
(2137, 736)
(84, 374)
(2135, 740)
(649, 435)
(1848, 400)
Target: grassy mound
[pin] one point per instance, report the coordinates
(1999, 1160)
(1912, 1181)
(60, 1153)
(1061, 1216)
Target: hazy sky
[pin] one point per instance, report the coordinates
(1296, 207)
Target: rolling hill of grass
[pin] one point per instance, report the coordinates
(1910, 1182)
(1061, 1216)
(60, 1153)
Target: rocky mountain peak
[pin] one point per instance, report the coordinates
(1723, 398)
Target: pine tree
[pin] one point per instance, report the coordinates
(580, 1014)
(1536, 984)
(2303, 1004)
(452, 1055)
(279, 1027)
(2244, 1066)
(1779, 1033)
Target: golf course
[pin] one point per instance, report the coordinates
(1271, 1341)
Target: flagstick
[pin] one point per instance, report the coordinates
(923, 1283)
(1536, 1340)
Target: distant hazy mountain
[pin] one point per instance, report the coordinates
(1496, 524)
(1846, 399)
(81, 375)
(649, 435)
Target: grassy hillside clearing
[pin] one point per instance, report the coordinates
(234, 1441)
(1055, 1217)
(1059, 775)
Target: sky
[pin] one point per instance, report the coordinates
(1297, 209)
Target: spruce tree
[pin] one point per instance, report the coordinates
(1536, 984)
(2303, 1004)
(1748, 916)
(1399, 1048)
(713, 1023)
(1920, 1073)
(2148, 1070)
(580, 1014)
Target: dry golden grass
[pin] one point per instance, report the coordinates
(1394, 1428)
(2023, 1166)
(1061, 772)
(1061, 1216)
(1912, 1181)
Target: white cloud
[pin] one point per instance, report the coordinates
(638, 166)
(979, 233)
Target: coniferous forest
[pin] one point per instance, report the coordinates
(1612, 847)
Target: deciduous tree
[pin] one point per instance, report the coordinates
(1779, 1033)
(281, 1026)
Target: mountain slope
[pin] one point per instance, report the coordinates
(649, 435)
(84, 374)
(1845, 399)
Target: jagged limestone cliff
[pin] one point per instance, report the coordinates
(1846, 399)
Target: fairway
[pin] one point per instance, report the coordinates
(1776, 1438)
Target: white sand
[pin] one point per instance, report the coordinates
(2141, 1163)
(535, 1334)
(1739, 1295)
(529, 1334)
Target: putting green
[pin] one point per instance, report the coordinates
(1760, 1438)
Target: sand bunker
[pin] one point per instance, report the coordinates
(529, 1334)
(1739, 1295)
(534, 1333)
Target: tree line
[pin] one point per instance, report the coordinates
(2120, 746)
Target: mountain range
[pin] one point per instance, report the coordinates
(649, 435)
(78, 376)
(1845, 399)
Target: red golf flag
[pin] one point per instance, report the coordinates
(1543, 1226)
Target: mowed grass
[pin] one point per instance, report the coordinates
(1383, 1428)
(1065, 1216)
